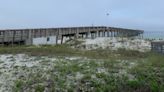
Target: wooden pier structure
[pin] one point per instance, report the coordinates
(26, 36)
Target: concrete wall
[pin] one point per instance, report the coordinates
(158, 47)
(51, 40)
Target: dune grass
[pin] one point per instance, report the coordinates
(65, 50)
(148, 73)
(148, 76)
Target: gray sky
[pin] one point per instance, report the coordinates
(147, 15)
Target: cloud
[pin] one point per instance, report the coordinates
(137, 14)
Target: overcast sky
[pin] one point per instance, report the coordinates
(147, 15)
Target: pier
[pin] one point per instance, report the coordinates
(27, 36)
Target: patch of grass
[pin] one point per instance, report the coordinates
(131, 53)
(39, 88)
(134, 84)
(19, 84)
(66, 50)
(148, 72)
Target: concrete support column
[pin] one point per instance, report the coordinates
(142, 35)
(117, 34)
(13, 37)
(40, 33)
(3, 37)
(111, 33)
(121, 34)
(139, 36)
(30, 34)
(57, 36)
(100, 34)
(92, 35)
(108, 34)
(82, 35)
(88, 35)
(22, 35)
(34, 32)
(77, 33)
(69, 37)
(97, 34)
(127, 34)
(62, 39)
(29, 38)
(114, 33)
(103, 34)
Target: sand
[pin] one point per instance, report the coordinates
(116, 43)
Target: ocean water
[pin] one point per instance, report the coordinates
(154, 35)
